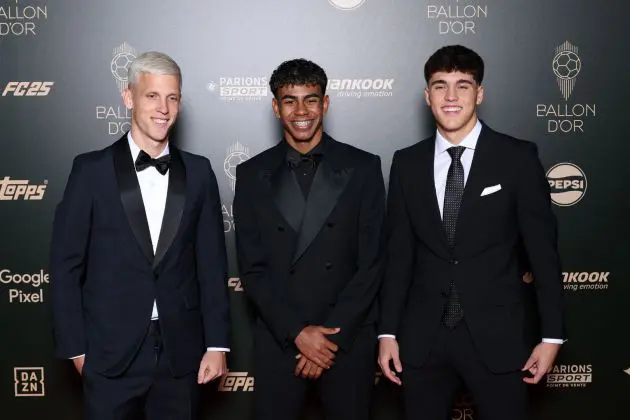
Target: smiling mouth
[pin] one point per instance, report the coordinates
(160, 121)
(451, 109)
(302, 124)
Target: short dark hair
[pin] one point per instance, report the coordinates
(455, 58)
(298, 72)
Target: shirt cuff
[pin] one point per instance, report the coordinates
(76, 357)
(386, 336)
(554, 340)
(218, 349)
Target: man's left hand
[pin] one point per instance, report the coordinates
(306, 368)
(541, 361)
(213, 365)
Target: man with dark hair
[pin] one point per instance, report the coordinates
(309, 213)
(460, 205)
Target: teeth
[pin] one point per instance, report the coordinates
(160, 121)
(452, 108)
(302, 124)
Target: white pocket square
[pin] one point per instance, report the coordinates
(491, 190)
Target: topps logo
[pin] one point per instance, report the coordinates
(29, 381)
(235, 283)
(28, 88)
(236, 381)
(20, 190)
(570, 376)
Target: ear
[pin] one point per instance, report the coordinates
(325, 104)
(480, 91)
(426, 96)
(127, 98)
(276, 107)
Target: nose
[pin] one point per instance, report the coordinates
(162, 106)
(451, 93)
(301, 108)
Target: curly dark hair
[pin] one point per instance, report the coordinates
(455, 58)
(296, 73)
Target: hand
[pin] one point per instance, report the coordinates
(307, 369)
(313, 344)
(213, 365)
(541, 361)
(78, 363)
(388, 351)
(528, 277)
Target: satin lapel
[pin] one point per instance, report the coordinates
(288, 196)
(427, 164)
(175, 201)
(482, 161)
(131, 196)
(328, 184)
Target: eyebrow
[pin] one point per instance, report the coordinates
(310, 95)
(443, 82)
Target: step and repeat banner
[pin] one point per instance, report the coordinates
(555, 75)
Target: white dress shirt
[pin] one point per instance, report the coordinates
(154, 189)
(441, 163)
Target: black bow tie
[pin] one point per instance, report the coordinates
(143, 161)
(311, 159)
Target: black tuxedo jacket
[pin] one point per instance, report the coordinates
(315, 261)
(105, 275)
(485, 260)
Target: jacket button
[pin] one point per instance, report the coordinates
(328, 266)
(280, 228)
(292, 271)
(330, 224)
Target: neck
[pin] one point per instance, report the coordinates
(304, 146)
(457, 136)
(151, 147)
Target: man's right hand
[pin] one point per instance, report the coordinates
(78, 363)
(313, 344)
(388, 351)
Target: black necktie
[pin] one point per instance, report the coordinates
(143, 161)
(453, 312)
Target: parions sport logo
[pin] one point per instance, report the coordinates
(239, 88)
(568, 184)
(570, 376)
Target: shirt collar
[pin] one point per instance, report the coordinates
(316, 151)
(469, 142)
(135, 150)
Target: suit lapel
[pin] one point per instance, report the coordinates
(288, 196)
(427, 164)
(131, 197)
(482, 161)
(175, 201)
(329, 182)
